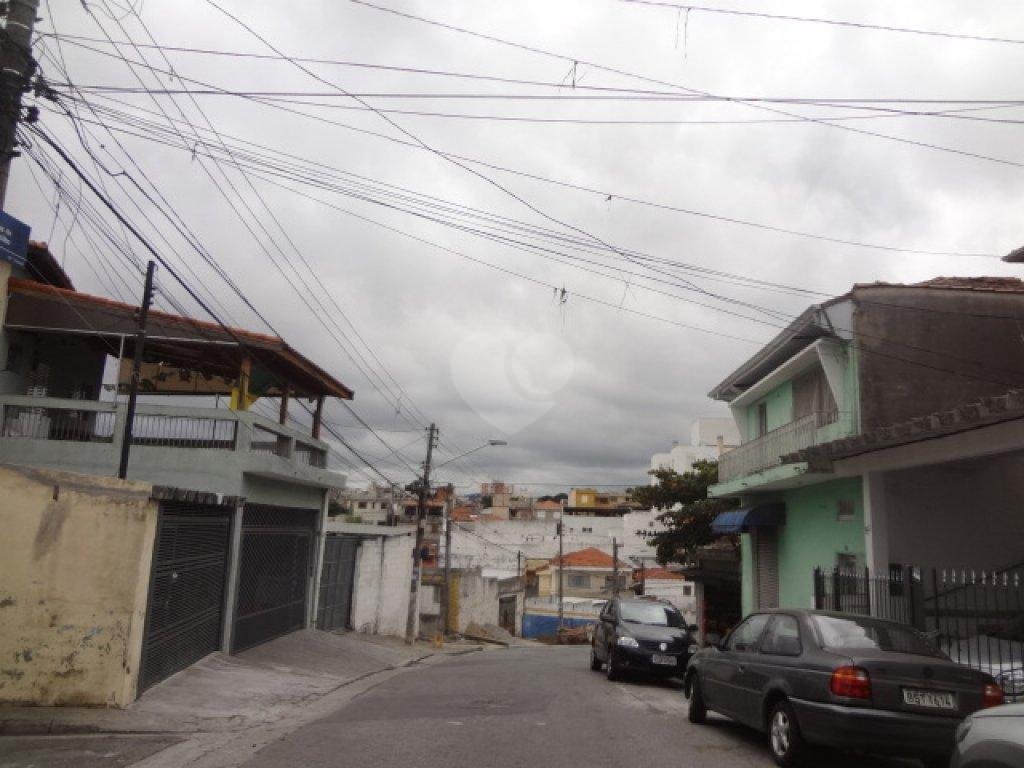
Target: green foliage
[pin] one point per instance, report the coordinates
(335, 508)
(686, 509)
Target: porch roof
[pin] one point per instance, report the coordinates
(178, 341)
(770, 515)
(973, 415)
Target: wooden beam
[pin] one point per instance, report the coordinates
(286, 393)
(318, 416)
(244, 372)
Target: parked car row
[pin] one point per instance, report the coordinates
(822, 678)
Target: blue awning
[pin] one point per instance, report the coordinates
(742, 520)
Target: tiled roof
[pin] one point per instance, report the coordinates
(661, 574)
(984, 283)
(591, 557)
(980, 413)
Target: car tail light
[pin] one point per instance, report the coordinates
(992, 696)
(851, 682)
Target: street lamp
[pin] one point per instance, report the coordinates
(488, 444)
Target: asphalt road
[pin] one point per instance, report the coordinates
(525, 707)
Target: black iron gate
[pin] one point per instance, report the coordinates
(184, 615)
(975, 616)
(337, 578)
(274, 573)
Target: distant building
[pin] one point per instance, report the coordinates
(710, 437)
(588, 573)
(373, 505)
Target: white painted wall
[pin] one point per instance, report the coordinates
(381, 592)
(493, 544)
(674, 591)
(967, 514)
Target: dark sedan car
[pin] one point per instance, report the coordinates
(641, 635)
(854, 682)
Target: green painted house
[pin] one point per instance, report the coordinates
(820, 481)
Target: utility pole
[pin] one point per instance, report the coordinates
(421, 512)
(133, 391)
(561, 571)
(446, 597)
(16, 69)
(615, 566)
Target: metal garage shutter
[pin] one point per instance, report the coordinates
(186, 595)
(336, 581)
(766, 567)
(274, 573)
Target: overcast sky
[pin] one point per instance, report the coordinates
(584, 392)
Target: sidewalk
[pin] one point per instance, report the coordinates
(225, 693)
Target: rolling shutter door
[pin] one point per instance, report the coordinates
(766, 567)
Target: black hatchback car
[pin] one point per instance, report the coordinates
(840, 680)
(641, 635)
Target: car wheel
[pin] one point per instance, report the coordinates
(698, 709)
(611, 668)
(595, 663)
(784, 739)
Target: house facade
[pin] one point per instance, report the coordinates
(820, 482)
(226, 496)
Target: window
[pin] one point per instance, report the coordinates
(588, 530)
(844, 511)
(651, 613)
(579, 580)
(746, 635)
(687, 590)
(846, 562)
(362, 505)
(762, 419)
(782, 637)
(867, 633)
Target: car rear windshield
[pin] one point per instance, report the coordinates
(651, 613)
(850, 633)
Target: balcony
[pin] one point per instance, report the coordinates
(765, 452)
(207, 449)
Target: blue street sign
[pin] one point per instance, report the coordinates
(13, 240)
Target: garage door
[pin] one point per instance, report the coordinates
(274, 573)
(186, 596)
(336, 580)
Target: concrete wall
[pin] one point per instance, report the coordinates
(381, 592)
(967, 514)
(74, 576)
(899, 381)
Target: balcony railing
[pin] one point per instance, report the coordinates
(764, 452)
(86, 435)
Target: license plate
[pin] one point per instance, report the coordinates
(667, 661)
(930, 699)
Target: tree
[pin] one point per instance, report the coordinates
(686, 509)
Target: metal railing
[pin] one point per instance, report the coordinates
(184, 432)
(765, 451)
(34, 419)
(975, 616)
(80, 425)
(310, 455)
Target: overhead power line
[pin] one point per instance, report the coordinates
(831, 22)
(608, 194)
